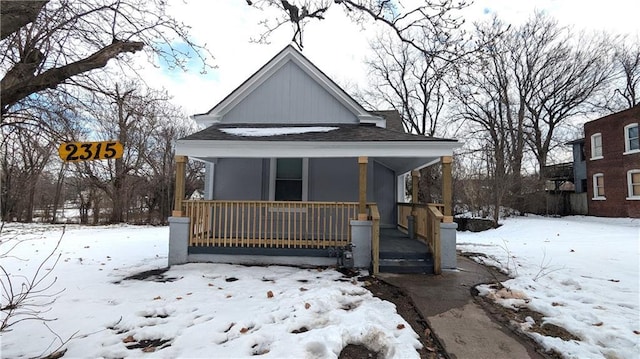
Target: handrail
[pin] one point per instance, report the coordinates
(269, 224)
(427, 219)
(375, 238)
(434, 218)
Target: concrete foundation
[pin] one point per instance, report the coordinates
(178, 240)
(448, 245)
(264, 260)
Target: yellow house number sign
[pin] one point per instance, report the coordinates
(86, 151)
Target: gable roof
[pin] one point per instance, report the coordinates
(286, 55)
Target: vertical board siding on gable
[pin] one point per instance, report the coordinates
(290, 96)
(238, 179)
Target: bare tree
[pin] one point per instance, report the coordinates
(25, 155)
(487, 104)
(160, 164)
(408, 81)
(434, 19)
(16, 14)
(71, 37)
(122, 112)
(563, 73)
(626, 93)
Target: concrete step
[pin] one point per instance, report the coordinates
(406, 265)
(404, 255)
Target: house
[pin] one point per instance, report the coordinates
(197, 195)
(612, 154)
(579, 165)
(298, 172)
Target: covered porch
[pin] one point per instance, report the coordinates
(318, 232)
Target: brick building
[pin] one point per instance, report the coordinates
(612, 152)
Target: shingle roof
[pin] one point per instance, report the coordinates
(394, 120)
(343, 133)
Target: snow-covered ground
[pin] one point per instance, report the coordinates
(203, 310)
(581, 273)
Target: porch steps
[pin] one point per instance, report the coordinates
(402, 262)
(399, 254)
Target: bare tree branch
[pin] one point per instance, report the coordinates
(16, 14)
(20, 82)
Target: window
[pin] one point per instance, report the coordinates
(631, 139)
(598, 186)
(633, 183)
(596, 146)
(288, 179)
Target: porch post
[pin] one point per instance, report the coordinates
(181, 162)
(362, 195)
(447, 188)
(415, 186)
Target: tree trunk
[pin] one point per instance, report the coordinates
(56, 198)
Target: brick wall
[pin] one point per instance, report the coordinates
(614, 165)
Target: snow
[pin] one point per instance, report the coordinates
(273, 131)
(581, 273)
(204, 310)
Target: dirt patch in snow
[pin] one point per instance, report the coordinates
(431, 347)
(516, 320)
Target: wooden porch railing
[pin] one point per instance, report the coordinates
(270, 224)
(375, 238)
(426, 226)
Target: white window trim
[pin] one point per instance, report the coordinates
(272, 179)
(628, 151)
(630, 196)
(593, 147)
(595, 187)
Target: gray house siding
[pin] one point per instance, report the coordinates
(329, 180)
(290, 96)
(238, 179)
(333, 179)
(384, 187)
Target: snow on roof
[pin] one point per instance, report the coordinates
(273, 131)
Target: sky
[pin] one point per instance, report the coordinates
(336, 45)
(580, 273)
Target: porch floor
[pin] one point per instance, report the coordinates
(396, 241)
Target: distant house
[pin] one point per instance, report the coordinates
(579, 166)
(196, 195)
(612, 157)
(298, 172)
